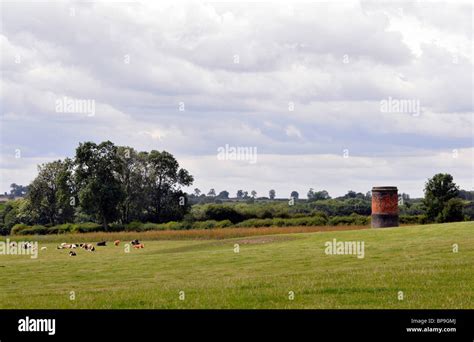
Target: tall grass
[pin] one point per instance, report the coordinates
(194, 234)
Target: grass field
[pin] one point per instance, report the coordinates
(417, 260)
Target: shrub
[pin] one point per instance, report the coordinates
(116, 227)
(224, 224)
(256, 223)
(353, 219)
(152, 226)
(135, 226)
(209, 224)
(35, 230)
(222, 212)
(317, 221)
(452, 211)
(173, 225)
(61, 229)
(87, 227)
(17, 228)
(413, 219)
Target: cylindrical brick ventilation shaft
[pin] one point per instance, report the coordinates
(384, 206)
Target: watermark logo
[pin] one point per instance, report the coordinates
(75, 106)
(19, 248)
(243, 153)
(28, 324)
(391, 105)
(335, 247)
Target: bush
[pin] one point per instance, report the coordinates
(35, 230)
(18, 228)
(256, 223)
(173, 225)
(224, 224)
(87, 227)
(353, 219)
(413, 219)
(152, 226)
(209, 224)
(282, 222)
(61, 229)
(135, 226)
(222, 212)
(452, 211)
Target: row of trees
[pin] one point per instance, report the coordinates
(17, 190)
(242, 194)
(107, 183)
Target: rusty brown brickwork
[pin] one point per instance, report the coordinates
(384, 206)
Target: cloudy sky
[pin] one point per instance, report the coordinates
(337, 96)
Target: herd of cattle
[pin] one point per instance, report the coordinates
(91, 248)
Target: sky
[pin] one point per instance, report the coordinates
(336, 96)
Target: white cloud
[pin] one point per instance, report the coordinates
(334, 62)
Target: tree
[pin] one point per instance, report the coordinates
(223, 194)
(131, 180)
(197, 192)
(295, 194)
(321, 195)
(163, 195)
(452, 211)
(97, 174)
(318, 195)
(253, 193)
(272, 194)
(211, 193)
(438, 191)
(350, 194)
(18, 190)
(50, 192)
(10, 216)
(240, 194)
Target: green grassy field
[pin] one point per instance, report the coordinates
(417, 260)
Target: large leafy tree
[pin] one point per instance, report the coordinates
(50, 193)
(162, 186)
(438, 191)
(98, 170)
(131, 179)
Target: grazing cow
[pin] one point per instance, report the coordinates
(140, 245)
(102, 243)
(72, 253)
(134, 242)
(44, 248)
(27, 245)
(117, 242)
(65, 245)
(88, 247)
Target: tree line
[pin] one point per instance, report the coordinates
(106, 183)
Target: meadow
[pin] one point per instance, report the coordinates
(283, 268)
